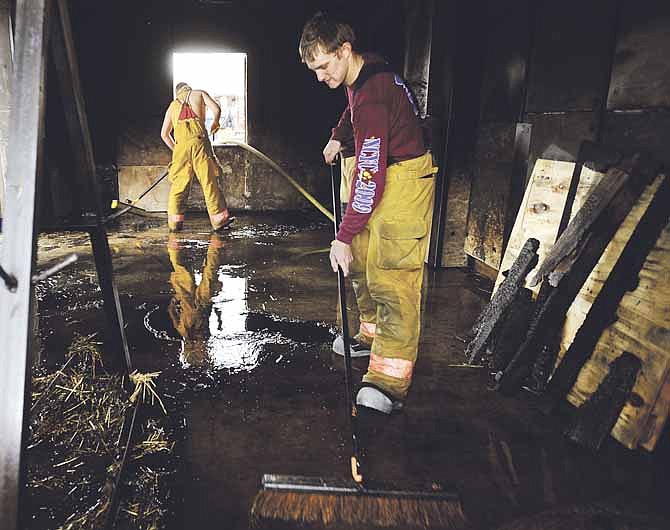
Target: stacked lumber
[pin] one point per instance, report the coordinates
(593, 284)
(642, 326)
(595, 331)
(542, 207)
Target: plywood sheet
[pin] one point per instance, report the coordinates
(657, 418)
(580, 307)
(643, 328)
(134, 180)
(455, 224)
(491, 191)
(542, 207)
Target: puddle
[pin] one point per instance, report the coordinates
(208, 314)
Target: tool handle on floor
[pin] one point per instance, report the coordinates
(56, 268)
(149, 189)
(356, 466)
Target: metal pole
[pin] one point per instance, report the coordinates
(18, 256)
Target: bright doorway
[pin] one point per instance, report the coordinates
(224, 77)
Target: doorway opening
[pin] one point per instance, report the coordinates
(224, 77)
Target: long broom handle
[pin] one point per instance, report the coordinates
(356, 467)
(149, 189)
(131, 203)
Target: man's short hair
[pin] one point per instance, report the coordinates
(322, 33)
(180, 86)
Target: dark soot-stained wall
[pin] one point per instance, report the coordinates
(572, 71)
(125, 51)
(509, 82)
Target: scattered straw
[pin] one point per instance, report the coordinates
(144, 385)
(77, 419)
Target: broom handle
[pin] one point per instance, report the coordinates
(158, 181)
(356, 467)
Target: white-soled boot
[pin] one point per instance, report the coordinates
(373, 398)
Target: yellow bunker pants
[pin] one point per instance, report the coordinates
(387, 272)
(195, 156)
(347, 167)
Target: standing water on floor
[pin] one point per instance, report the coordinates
(240, 326)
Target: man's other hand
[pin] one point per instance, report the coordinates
(330, 151)
(213, 128)
(340, 254)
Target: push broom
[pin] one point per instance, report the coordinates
(130, 204)
(355, 501)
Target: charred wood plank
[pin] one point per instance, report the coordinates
(578, 229)
(112, 306)
(593, 421)
(548, 348)
(545, 314)
(544, 363)
(509, 335)
(502, 299)
(596, 157)
(551, 315)
(622, 278)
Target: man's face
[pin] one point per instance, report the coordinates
(330, 68)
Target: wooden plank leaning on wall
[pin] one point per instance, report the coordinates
(642, 326)
(542, 207)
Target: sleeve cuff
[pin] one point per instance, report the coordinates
(336, 136)
(344, 237)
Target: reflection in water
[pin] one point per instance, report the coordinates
(209, 310)
(230, 345)
(231, 301)
(192, 301)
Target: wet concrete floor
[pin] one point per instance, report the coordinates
(241, 326)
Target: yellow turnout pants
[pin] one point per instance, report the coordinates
(387, 272)
(347, 170)
(190, 157)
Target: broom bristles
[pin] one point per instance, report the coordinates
(357, 509)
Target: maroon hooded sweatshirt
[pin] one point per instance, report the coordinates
(385, 129)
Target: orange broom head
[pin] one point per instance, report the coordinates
(352, 505)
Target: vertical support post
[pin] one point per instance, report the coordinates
(76, 122)
(441, 104)
(5, 77)
(18, 256)
(112, 305)
(418, 39)
(67, 71)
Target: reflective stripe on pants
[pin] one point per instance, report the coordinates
(387, 272)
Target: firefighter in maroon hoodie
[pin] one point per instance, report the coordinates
(382, 240)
